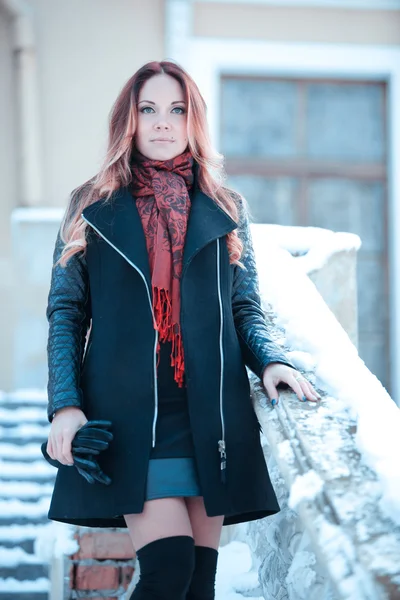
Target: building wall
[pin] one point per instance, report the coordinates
(267, 40)
(296, 24)
(8, 167)
(86, 53)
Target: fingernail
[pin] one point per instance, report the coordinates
(273, 402)
(304, 399)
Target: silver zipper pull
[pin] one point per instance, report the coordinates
(221, 450)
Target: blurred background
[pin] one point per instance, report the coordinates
(303, 100)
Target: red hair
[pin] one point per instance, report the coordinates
(115, 171)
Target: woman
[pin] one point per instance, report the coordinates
(156, 258)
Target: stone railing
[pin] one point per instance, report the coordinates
(333, 538)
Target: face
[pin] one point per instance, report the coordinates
(162, 113)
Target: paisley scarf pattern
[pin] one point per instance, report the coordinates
(162, 199)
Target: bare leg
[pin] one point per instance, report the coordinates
(162, 517)
(207, 534)
(206, 530)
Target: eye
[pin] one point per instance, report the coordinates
(142, 110)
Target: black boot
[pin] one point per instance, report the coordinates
(166, 568)
(202, 586)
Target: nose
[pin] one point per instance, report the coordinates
(162, 124)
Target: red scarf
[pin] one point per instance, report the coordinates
(162, 199)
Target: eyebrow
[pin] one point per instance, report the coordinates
(150, 102)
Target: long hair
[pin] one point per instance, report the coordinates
(115, 171)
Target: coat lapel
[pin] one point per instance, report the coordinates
(118, 222)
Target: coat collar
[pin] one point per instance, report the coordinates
(118, 222)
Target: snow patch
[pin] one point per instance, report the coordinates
(234, 580)
(12, 585)
(305, 487)
(55, 541)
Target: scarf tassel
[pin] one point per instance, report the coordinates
(163, 323)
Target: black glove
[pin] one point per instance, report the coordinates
(89, 440)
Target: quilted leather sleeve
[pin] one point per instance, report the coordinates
(258, 348)
(68, 314)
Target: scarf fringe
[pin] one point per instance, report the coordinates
(163, 323)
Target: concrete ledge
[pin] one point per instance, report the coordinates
(334, 493)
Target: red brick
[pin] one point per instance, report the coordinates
(107, 544)
(126, 576)
(97, 577)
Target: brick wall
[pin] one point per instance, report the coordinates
(103, 566)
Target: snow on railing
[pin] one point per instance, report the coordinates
(312, 329)
(335, 464)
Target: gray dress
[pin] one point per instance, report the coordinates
(172, 466)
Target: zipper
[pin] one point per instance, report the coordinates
(156, 331)
(89, 345)
(221, 442)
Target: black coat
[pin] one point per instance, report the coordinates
(223, 331)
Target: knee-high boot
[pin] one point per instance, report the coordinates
(202, 585)
(166, 568)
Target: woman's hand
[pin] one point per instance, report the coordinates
(276, 373)
(64, 426)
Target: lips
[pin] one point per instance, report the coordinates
(163, 140)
